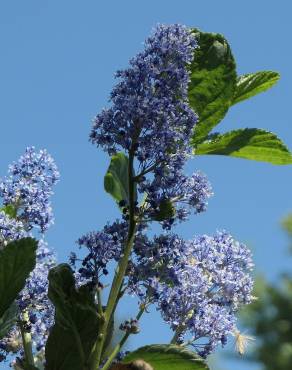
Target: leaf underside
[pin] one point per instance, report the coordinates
(75, 332)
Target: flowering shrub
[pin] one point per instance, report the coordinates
(164, 108)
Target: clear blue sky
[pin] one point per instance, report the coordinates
(56, 71)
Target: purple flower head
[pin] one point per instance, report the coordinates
(29, 187)
(150, 112)
(197, 285)
(150, 117)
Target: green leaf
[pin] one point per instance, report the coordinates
(8, 320)
(116, 180)
(10, 210)
(213, 82)
(250, 143)
(166, 210)
(75, 332)
(168, 357)
(17, 260)
(254, 83)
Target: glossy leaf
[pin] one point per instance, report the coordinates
(116, 180)
(75, 332)
(10, 210)
(250, 143)
(17, 260)
(167, 356)
(166, 210)
(213, 82)
(254, 83)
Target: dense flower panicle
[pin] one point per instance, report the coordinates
(10, 229)
(150, 110)
(150, 115)
(197, 285)
(29, 187)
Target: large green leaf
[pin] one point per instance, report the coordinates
(213, 81)
(116, 180)
(254, 83)
(250, 143)
(8, 320)
(17, 260)
(168, 357)
(75, 332)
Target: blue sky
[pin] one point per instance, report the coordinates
(56, 71)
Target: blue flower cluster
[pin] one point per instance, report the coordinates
(197, 285)
(102, 247)
(150, 116)
(150, 112)
(10, 229)
(25, 196)
(29, 187)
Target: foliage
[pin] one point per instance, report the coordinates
(171, 357)
(76, 327)
(247, 143)
(163, 109)
(17, 260)
(213, 89)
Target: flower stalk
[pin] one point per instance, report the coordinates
(120, 271)
(26, 339)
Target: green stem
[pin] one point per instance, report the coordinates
(121, 270)
(99, 302)
(176, 335)
(119, 346)
(26, 340)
